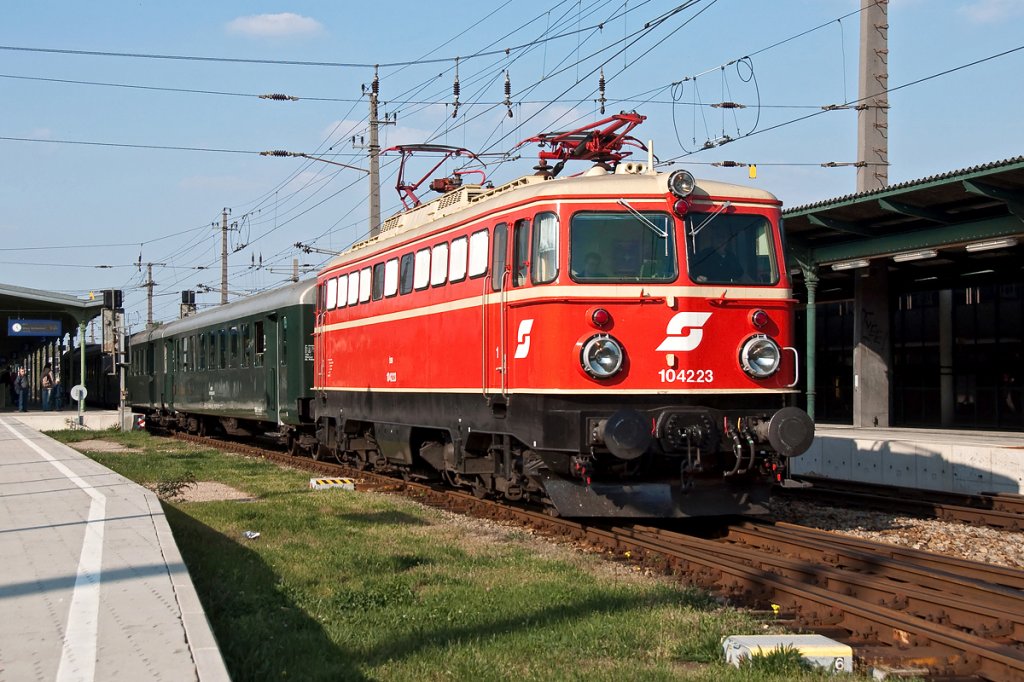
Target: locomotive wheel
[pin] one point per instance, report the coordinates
(294, 449)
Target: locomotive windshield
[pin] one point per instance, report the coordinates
(622, 247)
(729, 248)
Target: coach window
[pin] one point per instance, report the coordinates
(520, 252)
(439, 264)
(331, 301)
(364, 285)
(233, 335)
(498, 256)
(478, 253)
(457, 260)
(342, 290)
(353, 288)
(184, 354)
(421, 272)
(202, 352)
(211, 360)
(260, 340)
(405, 274)
(545, 248)
(378, 281)
(391, 277)
(246, 345)
(223, 348)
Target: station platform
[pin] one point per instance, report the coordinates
(970, 462)
(92, 586)
(59, 420)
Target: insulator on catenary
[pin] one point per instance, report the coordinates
(455, 90)
(508, 94)
(600, 88)
(280, 97)
(375, 88)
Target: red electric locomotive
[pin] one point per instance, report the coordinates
(615, 343)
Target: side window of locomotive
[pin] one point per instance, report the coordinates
(620, 247)
(364, 285)
(520, 252)
(353, 288)
(498, 256)
(421, 271)
(545, 248)
(478, 253)
(332, 295)
(457, 260)
(439, 265)
(391, 277)
(730, 249)
(342, 290)
(260, 340)
(378, 281)
(405, 274)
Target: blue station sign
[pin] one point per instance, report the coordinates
(33, 327)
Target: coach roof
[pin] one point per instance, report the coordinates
(299, 293)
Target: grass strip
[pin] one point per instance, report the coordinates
(365, 586)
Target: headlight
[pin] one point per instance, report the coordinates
(601, 356)
(760, 357)
(681, 183)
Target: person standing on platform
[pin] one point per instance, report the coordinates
(21, 387)
(47, 383)
(58, 394)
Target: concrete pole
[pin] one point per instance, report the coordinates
(374, 159)
(149, 295)
(873, 101)
(224, 257)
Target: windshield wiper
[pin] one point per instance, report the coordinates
(646, 221)
(718, 211)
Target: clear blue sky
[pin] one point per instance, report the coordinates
(161, 203)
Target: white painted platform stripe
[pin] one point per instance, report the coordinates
(78, 655)
(569, 294)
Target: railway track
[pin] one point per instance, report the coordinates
(895, 606)
(1003, 511)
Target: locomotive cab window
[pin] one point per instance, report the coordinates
(544, 266)
(620, 247)
(730, 249)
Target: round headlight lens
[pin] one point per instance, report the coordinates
(760, 357)
(681, 183)
(601, 356)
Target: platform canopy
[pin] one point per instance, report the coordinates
(27, 317)
(968, 221)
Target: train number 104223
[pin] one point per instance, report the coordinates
(686, 376)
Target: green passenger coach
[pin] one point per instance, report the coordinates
(245, 368)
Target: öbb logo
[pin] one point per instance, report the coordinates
(684, 332)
